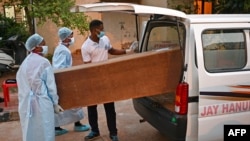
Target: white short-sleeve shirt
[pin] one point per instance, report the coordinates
(95, 52)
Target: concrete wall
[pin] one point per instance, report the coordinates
(158, 3)
(119, 27)
(49, 31)
(1, 8)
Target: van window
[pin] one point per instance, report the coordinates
(164, 35)
(224, 50)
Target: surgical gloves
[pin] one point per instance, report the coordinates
(132, 47)
(58, 109)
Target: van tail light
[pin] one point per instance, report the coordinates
(181, 98)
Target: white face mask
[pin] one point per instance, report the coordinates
(45, 50)
(72, 41)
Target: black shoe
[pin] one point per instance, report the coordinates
(91, 136)
(1, 99)
(114, 138)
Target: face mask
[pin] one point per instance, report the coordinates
(101, 34)
(72, 41)
(45, 50)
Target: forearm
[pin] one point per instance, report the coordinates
(117, 51)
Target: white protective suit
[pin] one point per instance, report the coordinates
(62, 57)
(37, 94)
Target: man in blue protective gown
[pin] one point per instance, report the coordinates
(62, 58)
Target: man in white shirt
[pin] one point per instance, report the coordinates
(96, 49)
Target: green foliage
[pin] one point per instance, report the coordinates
(9, 27)
(219, 6)
(186, 6)
(58, 11)
(232, 7)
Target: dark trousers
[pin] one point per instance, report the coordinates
(110, 116)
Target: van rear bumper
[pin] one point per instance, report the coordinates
(172, 125)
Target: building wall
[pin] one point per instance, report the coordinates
(1, 8)
(119, 27)
(158, 3)
(49, 31)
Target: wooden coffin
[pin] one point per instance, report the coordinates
(120, 78)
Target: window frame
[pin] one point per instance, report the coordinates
(223, 52)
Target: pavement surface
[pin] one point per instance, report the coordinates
(128, 121)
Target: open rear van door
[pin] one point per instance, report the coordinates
(222, 54)
(129, 8)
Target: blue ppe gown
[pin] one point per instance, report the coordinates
(37, 93)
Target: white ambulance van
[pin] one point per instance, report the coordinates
(214, 87)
